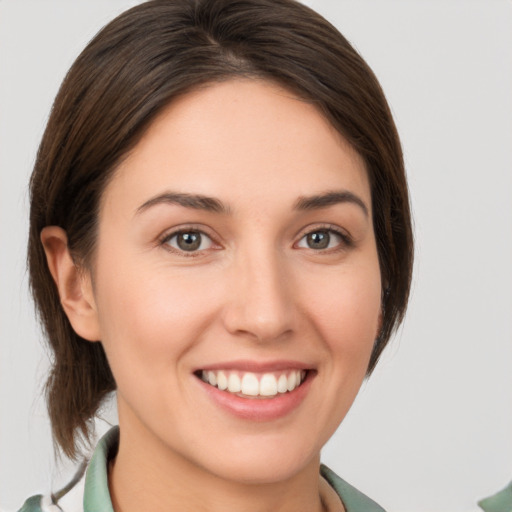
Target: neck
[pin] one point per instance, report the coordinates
(149, 476)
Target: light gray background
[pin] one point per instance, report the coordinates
(432, 429)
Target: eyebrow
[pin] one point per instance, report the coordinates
(211, 204)
(331, 198)
(194, 201)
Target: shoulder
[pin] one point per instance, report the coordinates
(68, 499)
(353, 499)
(500, 501)
(33, 504)
(88, 489)
(39, 503)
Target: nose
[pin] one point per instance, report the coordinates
(261, 302)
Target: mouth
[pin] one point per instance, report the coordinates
(257, 391)
(254, 385)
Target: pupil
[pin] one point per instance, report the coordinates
(189, 241)
(318, 240)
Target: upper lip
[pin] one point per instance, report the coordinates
(257, 366)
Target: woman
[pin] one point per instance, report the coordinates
(220, 232)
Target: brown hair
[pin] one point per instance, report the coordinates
(125, 76)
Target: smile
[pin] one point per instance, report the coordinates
(254, 385)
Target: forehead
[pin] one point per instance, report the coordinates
(248, 141)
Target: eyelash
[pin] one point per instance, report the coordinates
(346, 240)
(164, 241)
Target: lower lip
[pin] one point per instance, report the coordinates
(259, 409)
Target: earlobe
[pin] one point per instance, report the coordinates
(74, 285)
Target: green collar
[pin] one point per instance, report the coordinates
(499, 502)
(353, 500)
(96, 493)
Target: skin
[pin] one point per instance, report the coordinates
(255, 290)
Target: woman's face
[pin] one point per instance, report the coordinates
(236, 245)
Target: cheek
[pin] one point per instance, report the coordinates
(148, 317)
(346, 309)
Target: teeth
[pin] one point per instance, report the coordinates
(222, 381)
(252, 384)
(268, 385)
(292, 381)
(282, 384)
(234, 384)
(212, 378)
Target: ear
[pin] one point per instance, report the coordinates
(74, 285)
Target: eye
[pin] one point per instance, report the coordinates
(321, 239)
(189, 241)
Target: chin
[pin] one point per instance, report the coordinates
(263, 461)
